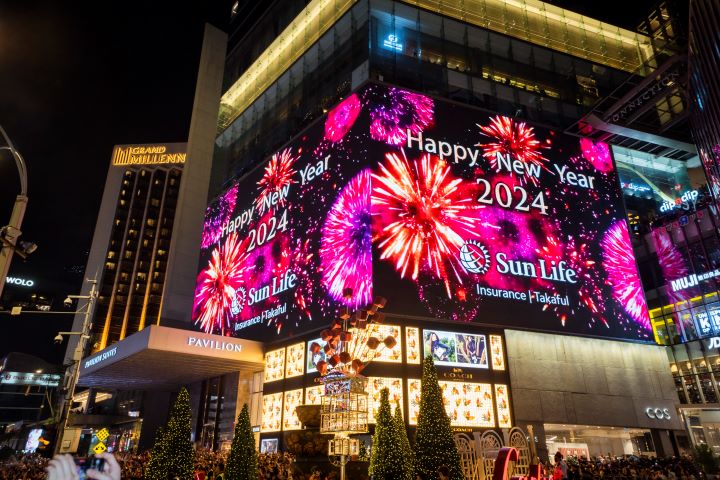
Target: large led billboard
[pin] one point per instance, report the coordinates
(447, 211)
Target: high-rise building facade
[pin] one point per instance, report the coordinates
(338, 64)
(136, 216)
(529, 300)
(704, 59)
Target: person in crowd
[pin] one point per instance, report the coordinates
(219, 472)
(443, 473)
(63, 467)
(561, 470)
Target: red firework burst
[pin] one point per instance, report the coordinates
(516, 139)
(672, 263)
(421, 212)
(277, 178)
(217, 285)
(623, 277)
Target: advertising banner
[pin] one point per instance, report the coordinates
(447, 211)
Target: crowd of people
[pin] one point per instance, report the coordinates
(210, 465)
(628, 468)
(24, 467)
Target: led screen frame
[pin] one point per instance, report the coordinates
(529, 237)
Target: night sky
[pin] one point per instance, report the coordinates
(73, 83)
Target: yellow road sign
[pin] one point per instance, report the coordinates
(103, 434)
(99, 448)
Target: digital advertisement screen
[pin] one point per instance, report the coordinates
(447, 211)
(33, 440)
(456, 349)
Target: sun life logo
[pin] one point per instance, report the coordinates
(238, 302)
(474, 257)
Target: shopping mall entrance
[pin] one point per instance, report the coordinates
(592, 441)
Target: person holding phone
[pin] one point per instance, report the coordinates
(63, 467)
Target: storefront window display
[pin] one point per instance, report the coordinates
(592, 441)
(704, 427)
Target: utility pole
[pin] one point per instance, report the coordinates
(72, 374)
(10, 233)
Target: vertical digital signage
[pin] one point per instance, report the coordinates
(447, 211)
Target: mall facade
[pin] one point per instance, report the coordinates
(339, 104)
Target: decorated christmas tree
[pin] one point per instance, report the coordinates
(434, 444)
(157, 466)
(242, 462)
(403, 443)
(179, 447)
(172, 455)
(386, 459)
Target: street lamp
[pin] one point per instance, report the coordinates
(10, 233)
(72, 373)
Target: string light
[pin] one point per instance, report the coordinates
(242, 463)
(434, 443)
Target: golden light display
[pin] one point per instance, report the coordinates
(272, 412)
(274, 365)
(503, 406)
(467, 404)
(412, 345)
(375, 385)
(294, 360)
(313, 395)
(293, 398)
(496, 352)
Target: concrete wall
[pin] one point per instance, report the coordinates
(582, 381)
(184, 250)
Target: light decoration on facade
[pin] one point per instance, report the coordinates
(350, 346)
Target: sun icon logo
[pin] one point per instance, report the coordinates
(238, 302)
(474, 257)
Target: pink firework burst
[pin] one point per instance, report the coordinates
(623, 278)
(218, 285)
(672, 264)
(301, 259)
(217, 214)
(396, 112)
(346, 246)
(598, 154)
(421, 214)
(277, 179)
(515, 139)
(341, 118)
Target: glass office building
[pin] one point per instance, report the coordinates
(530, 59)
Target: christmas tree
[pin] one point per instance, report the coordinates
(386, 460)
(172, 454)
(157, 466)
(179, 447)
(434, 443)
(403, 443)
(242, 463)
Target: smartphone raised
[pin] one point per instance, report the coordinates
(85, 463)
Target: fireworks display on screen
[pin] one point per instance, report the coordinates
(346, 249)
(448, 211)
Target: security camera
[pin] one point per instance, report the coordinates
(27, 247)
(68, 302)
(58, 338)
